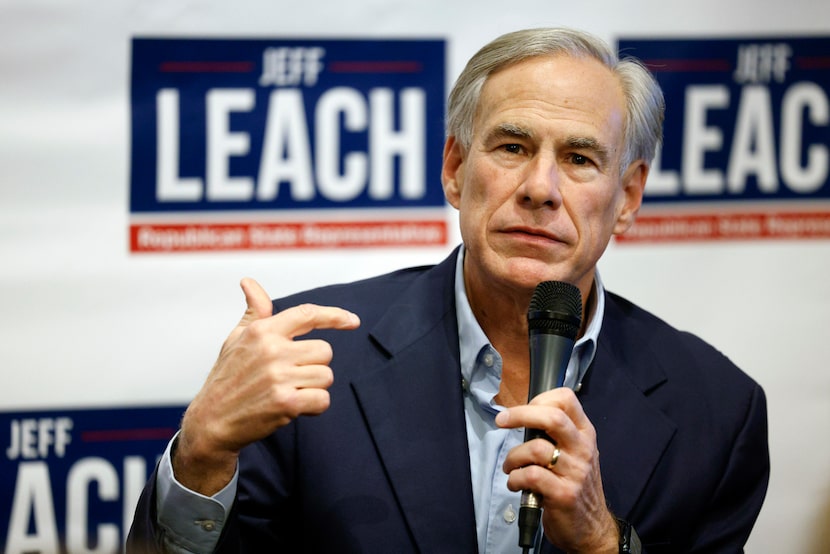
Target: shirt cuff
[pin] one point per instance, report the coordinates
(191, 522)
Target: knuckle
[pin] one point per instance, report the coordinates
(535, 475)
(316, 350)
(556, 419)
(568, 393)
(283, 398)
(326, 353)
(539, 449)
(276, 378)
(567, 495)
(268, 350)
(307, 310)
(325, 401)
(581, 472)
(256, 330)
(591, 434)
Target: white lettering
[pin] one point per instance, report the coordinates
(660, 181)
(81, 475)
(34, 438)
(32, 499)
(45, 427)
(15, 442)
(407, 143)
(392, 126)
(762, 63)
(33, 525)
(222, 144)
(63, 426)
(753, 145)
(333, 184)
(135, 476)
(698, 138)
(287, 66)
(285, 151)
(801, 98)
(170, 187)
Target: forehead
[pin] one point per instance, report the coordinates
(575, 94)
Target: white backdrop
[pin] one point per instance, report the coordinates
(86, 324)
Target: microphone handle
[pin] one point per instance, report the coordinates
(549, 358)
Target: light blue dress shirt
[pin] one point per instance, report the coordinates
(497, 508)
(192, 523)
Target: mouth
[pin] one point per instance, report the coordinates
(532, 234)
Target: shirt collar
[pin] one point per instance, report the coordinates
(472, 338)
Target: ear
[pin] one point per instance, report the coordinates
(452, 171)
(633, 184)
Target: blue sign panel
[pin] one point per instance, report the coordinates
(747, 119)
(274, 124)
(70, 479)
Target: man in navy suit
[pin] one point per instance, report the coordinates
(418, 405)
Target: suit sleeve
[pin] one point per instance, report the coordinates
(144, 536)
(170, 518)
(740, 493)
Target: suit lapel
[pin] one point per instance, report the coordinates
(631, 434)
(413, 407)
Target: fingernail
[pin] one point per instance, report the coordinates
(353, 319)
(502, 419)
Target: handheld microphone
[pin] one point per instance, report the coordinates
(553, 318)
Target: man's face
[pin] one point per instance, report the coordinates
(539, 191)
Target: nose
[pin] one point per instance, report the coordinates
(540, 187)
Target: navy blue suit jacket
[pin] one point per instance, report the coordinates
(681, 432)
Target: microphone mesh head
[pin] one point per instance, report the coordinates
(556, 308)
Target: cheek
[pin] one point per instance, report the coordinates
(596, 215)
(489, 187)
(474, 195)
(478, 211)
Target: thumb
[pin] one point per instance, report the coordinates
(258, 301)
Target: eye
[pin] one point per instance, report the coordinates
(512, 148)
(579, 159)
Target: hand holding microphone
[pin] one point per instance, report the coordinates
(553, 318)
(561, 473)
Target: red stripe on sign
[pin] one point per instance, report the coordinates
(667, 65)
(376, 67)
(812, 62)
(199, 237)
(729, 226)
(206, 67)
(114, 435)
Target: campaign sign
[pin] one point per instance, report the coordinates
(273, 143)
(746, 153)
(70, 479)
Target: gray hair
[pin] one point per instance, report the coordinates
(645, 105)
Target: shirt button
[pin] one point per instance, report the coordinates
(509, 515)
(207, 525)
(488, 360)
(464, 385)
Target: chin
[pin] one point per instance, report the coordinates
(529, 272)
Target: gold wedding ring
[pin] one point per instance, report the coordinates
(555, 457)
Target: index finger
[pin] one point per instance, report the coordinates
(304, 318)
(530, 416)
(565, 399)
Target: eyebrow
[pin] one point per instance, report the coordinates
(509, 130)
(513, 131)
(589, 143)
